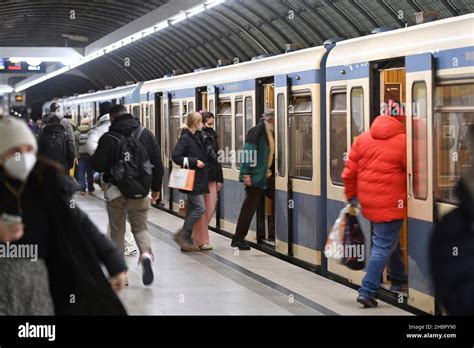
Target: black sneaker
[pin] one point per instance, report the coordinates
(147, 271)
(241, 244)
(367, 302)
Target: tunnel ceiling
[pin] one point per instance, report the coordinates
(236, 28)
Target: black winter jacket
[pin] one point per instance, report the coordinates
(190, 145)
(52, 133)
(106, 154)
(75, 247)
(452, 254)
(209, 139)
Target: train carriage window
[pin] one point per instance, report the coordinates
(338, 135)
(420, 141)
(281, 164)
(136, 111)
(239, 128)
(454, 118)
(248, 114)
(191, 107)
(224, 128)
(152, 119)
(147, 117)
(357, 113)
(301, 136)
(211, 107)
(175, 125)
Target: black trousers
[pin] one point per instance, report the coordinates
(253, 196)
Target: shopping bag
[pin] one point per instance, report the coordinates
(182, 178)
(334, 248)
(354, 242)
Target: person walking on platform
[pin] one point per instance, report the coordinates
(56, 268)
(85, 165)
(130, 158)
(190, 152)
(375, 175)
(54, 144)
(215, 178)
(102, 127)
(55, 111)
(452, 248)
(259, 177)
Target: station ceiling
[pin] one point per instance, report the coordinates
(236, 28)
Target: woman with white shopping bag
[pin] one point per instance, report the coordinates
(192, 178)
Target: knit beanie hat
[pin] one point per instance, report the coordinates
(13, 133)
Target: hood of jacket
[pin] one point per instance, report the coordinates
(124, 124)
(385, 127)
(84, 129)
(47, 117)
(54, 128)
(103, 119)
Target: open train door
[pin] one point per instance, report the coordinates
(212, 100)
(419, 87)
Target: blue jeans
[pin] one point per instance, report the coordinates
(85, 167)
(196, 209)
(385, 248)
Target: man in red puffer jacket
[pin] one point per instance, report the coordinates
(375, 174)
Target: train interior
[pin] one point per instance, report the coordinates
(389, 91)
(265, 218)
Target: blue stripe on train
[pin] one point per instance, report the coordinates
(300, 78)
(419, 237)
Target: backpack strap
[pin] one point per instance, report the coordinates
(137, 133)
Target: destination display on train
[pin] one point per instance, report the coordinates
(9, 66)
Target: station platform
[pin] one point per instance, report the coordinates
(221, 282)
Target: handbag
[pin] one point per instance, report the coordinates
(354, 242)
(182, 178)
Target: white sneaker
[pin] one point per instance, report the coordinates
(130, 252)
(206, 247)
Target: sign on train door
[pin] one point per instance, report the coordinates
(419, 86)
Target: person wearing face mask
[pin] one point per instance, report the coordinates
(55, 111)
(61, 249)
(259, 177)
(216, 179)
(190, 149)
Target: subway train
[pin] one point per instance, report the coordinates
(324, 97)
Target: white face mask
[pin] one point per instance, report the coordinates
(20, 165)
(200, 127)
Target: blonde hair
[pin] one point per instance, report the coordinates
(192, 118)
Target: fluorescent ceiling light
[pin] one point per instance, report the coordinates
(72, 64)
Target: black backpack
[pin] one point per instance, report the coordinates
(52, 145)
(132, 171)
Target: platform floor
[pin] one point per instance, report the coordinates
(219, 282)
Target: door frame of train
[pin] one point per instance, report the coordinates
(158, 117)
(419, 68)
(212, 98)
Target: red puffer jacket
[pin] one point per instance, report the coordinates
(376, 171)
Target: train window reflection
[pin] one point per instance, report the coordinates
(239, 127)
(248, 114)
(357, 113)
(420, 141)
(175, 125)
(300, 135)
(224, 128)
(338, 136)
(454, 118)
(281, 165)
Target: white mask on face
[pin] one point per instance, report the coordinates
(200, 127)
(19, 166)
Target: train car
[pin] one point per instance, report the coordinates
(428, 70)
(238, 95)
